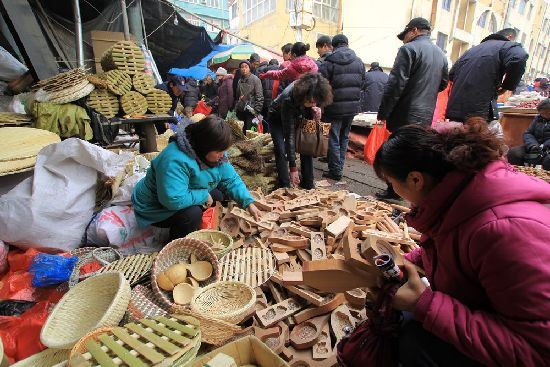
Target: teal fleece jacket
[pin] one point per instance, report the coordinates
(175, 181)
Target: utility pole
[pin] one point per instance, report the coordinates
(78, 34)
(125, 20)
(303, 18)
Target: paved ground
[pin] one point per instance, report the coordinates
(359, 177)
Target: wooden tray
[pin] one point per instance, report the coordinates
(104, 102)
(118, 81)
(144, 83)
(159, 102)
(252, 266)
(134, 267)
(169, 340)
(124, 55)
(133, 103)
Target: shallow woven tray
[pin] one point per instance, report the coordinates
(20, 145)
(46, 358)
(72, 94)
(252, 266)
(179, 251)
(62, 81)
(143, 83)
(133, 103)
(134, 267)
(13, 118)
(104, 102)
(118, 81)
(159, 102)
(96, 302)
(228, 301)
(97, 81)
(123, 55)
(209, 236)
(163, 340)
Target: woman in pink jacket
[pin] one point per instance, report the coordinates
(485, 250)
(299, 65)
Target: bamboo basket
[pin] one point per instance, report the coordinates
(179, 251)
(228, 301)
(96, 302)
(211, 236)
(214, 331)
(80, 346)
(46, 358)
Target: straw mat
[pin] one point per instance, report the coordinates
(20, 147)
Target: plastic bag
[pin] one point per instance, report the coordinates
(203, 108)
(496, 128)
(51, 269)
(378, 135)
(14, 307)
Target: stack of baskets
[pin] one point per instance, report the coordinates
(64, 87)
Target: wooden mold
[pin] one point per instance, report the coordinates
(332, 302)
(230, 225)
(341, 322)
(238, 212)
(252, 266)
(339, 226)
(280, 311)
(306, 334)
(295, 242)
(318, 249)
(300, 203)
(356, 297)
(335, 275)
(322, 349)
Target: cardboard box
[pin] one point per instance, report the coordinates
(102, 41)
(247, 350)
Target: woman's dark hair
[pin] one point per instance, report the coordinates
(544, 105)
(286, 48)
(467, 148)
(312, 86)
(210, 134)
(299, 49)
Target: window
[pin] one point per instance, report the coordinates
(521, 8)
(257, 9)
(493, 24)
(446, 4)
(210, 3)
(512, 4)
(327, 10)
(530, 11)
(442, 40)
(234, 11)
(482, 21)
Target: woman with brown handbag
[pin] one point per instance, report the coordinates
(300, 100)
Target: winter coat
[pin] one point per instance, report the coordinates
(225, 95)
(237, 77)
(485, 251)
(538, 133)
(175, 100)
(478, 74)
(373, 89)
(419, 73)
(177, 180)
(289, 113)
(209, 91)
(297, 67)
(192, 92)
(249, 90)
(321, 59)
(346, 74)
(267, 85)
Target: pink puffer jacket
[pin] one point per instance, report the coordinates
(296, 68)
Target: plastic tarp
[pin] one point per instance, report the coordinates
(201, 70)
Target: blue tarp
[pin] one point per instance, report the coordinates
(200, 70)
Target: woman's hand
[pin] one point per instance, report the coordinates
(316, 113)
(254, 211)
(294, 178)
(407, 296)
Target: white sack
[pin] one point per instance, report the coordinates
(52, 209)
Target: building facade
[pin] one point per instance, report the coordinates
(213, 11)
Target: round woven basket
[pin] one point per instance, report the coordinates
(96, 302)
(211, 236)
(228, 301)
(179, 251)
(46, 358)
(80, 346)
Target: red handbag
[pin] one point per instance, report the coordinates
(374, 342)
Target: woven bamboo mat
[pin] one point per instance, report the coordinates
(20, 145)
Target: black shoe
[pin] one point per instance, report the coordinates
(323, 159)
(387, 194)
(331, 176)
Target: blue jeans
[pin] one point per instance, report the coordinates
(281, 162)
(338, 144)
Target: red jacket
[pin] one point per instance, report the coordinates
(295, 69)
(486, 253)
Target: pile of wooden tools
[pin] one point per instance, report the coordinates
(310, 257)
(124, 86)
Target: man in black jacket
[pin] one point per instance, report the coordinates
(419, 73)
(267, 86)
(346, 74)
(373, 89)
(491, 68)
(324, 49)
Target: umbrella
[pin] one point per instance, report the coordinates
(230, 59)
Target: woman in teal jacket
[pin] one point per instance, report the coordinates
(186, 178)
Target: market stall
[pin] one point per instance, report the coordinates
(518, 115)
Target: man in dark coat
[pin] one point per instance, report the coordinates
(491, 68)
(373, 89)
(267, 86)
(419, 73)
(346, 74)
(191, 96)
(324, 49)
(254, 62)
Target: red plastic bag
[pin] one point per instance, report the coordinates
(378, 135)
(374, 342)
(209, 218)
(203, 108)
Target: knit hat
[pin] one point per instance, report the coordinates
(254, 57)
(221, 71)
(244, 62)
(339, 39)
